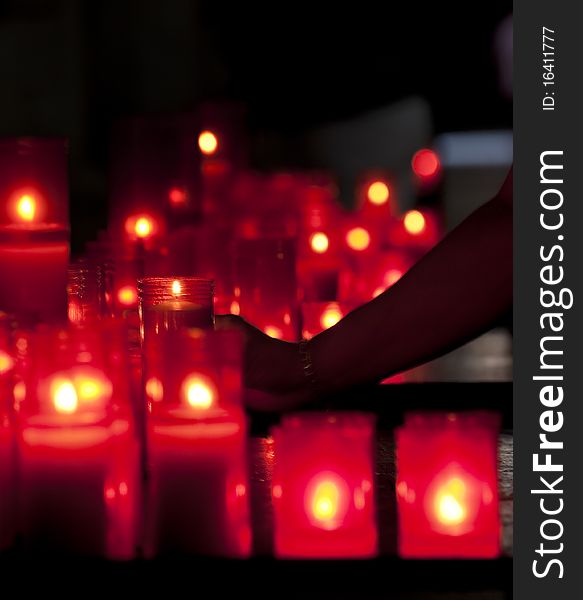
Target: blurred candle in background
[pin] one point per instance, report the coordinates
(417, 230)
(319, 244)
(80, 489)
(34, 229)
(361, 282)
(323, 484)
(319, 316)
(197, 449)
(447, 492)
(265, 285)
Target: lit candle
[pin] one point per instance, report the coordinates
(323, 484)
(198, 493)
(34, 237)
(78, 450)
(266, 289)
(172, 303)
(447, 485)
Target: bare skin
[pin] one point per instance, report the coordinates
(457, 291)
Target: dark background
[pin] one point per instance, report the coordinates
(72, 68)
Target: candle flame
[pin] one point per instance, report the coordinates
(143, 227)
(414, 222)
(198, 392)
(26, 208)
(378, 193)
(208, 142)
(358, 239)
(325, 503)
(449, 502)
(64, 396)
(319, 242)
(176, 287)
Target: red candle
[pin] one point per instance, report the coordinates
(78, 450)
(323, 486)
(266, 289)
(171, 303)
(7, 439)
(447, 485)
(34, 238)
(198, 494)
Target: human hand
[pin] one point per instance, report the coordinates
(272, 369)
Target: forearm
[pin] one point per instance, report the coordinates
(457, 291)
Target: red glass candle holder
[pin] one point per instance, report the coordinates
(447, 492)
(197, 444)
(265, 285)
(7, 437)
(86, 290)
(319, 316)
(79, 453)
(323, 484)
(34, 229)
(168, 304)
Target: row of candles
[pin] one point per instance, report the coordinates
(94, 469)
(80, 474)
(124, 428)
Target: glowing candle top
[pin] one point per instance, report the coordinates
(33, 183)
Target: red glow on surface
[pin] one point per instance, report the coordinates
(319, 242)
(378, 193)
(425, 163)
(127, 295)
(358, 238)
(208, 142)
(447, 500)
(177, 196)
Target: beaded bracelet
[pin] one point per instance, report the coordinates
(307, 363)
